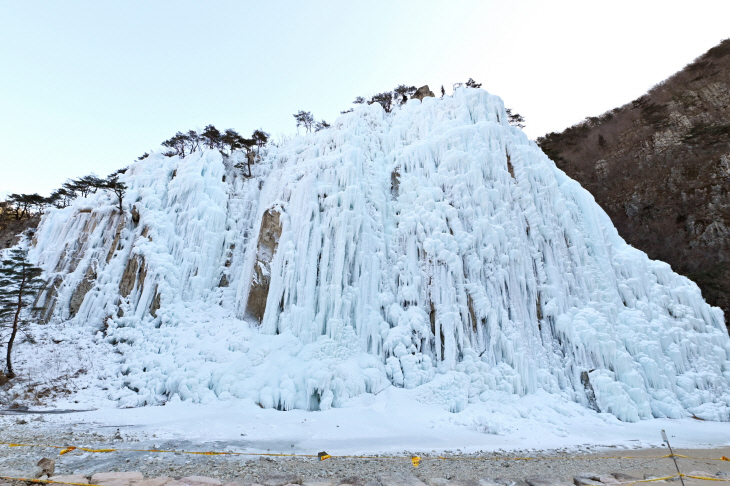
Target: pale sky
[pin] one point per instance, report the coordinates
(87, 86)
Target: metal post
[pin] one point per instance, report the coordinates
(671, 453)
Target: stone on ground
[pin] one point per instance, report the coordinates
(510, 481)
(161, 481)
(116, 476)
(71, 478)
(700, 473)
(399, 480)
(546, 481)
(48, 467)
(200, 481)
(281, 480)
(582, 481)
(624, 478)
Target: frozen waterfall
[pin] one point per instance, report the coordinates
(434, 248)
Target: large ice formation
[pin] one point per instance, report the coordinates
(434, 248)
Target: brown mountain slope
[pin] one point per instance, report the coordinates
(660, 168)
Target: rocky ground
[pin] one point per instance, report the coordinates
(551, 467)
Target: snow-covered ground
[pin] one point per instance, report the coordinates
(435, 281)
(390, 422)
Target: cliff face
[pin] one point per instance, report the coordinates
(660, 167)
(434, 249)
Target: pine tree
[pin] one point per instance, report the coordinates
(20, 283)
(385, 99)
(233, 139)
(402, 92)
(515, 119)
(305, 119)
(112, 184)
(261, 138)
(211, 137)
(321, 125)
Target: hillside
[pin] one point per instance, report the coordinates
(660, 167)
(432, 252)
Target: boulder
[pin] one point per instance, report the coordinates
(47, 466)
(423, 92)
(281, 480)
(161, 481)
(116, 478)
(70, 478)
(437, 482)
(583, 481)
(608, 480)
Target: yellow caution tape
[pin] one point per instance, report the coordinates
(324, 455)
(703, 477)
(45, 481)
(416, 461)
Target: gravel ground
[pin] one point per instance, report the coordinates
(557, 464)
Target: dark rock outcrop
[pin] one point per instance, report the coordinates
(267, 244)
(423, 92)
(660, 167)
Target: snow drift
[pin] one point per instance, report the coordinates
(434, 248)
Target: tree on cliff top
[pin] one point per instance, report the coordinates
(20, 283)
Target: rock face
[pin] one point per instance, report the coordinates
(660, 167)
(267, 244)
(10, 228)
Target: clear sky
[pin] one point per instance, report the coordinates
(87, 86)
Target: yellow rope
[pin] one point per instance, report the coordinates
(67, 449)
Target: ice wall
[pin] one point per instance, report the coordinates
(435, 249)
